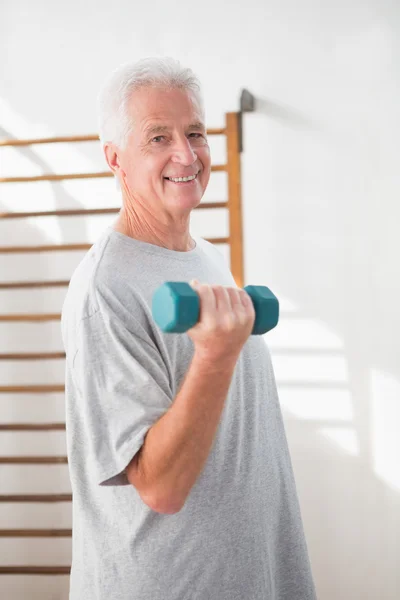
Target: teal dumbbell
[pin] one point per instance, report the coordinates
(176, 307)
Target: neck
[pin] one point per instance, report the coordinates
(136, 222)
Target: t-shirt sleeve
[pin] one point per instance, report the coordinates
(123, 388)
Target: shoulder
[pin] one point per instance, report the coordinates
(100, 281)
(80, 300)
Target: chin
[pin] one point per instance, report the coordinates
(186, 201)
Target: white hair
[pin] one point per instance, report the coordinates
(114, 122)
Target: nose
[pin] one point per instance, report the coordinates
(183, 152)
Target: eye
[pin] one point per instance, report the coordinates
(157, 137)
(198, 134)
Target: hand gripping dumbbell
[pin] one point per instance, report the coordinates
(176, 307)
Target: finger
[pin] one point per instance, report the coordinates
(222, 298)
(247, 303)
(245, 298)
(207, 298)
(234, 295)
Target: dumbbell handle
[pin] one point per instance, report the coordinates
(176, 307)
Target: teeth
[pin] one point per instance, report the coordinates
(177, 179)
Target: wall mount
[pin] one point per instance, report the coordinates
(247, 104)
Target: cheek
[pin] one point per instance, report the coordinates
(156, 166)
(205, 177)
(148, 172)
(204, 156)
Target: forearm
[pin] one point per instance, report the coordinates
(176, 448)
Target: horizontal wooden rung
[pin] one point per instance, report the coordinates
(51, 140)
(47, 248)
(35, 389)
(33, 460)
(90, 211)
(59, 213)
(32, 426)
(35, 533)
(80, 138)
(58, 247)
(32, 356)
(30, 570)
(35, 498)
(96, 175)
(64, 176)
(14, 285)
(36, 317)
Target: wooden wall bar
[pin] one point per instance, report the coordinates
(234, 240)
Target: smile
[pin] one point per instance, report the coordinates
(182, 179)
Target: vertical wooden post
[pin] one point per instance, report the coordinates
(235, 198)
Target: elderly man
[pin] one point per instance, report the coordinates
(182, 483)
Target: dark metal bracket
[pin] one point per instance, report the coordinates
(247, 104)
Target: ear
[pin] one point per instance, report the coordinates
(112, 155)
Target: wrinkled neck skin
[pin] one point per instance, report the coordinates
(137, 220)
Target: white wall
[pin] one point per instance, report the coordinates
(321, 214)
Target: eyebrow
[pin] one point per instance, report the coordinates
(156, 129)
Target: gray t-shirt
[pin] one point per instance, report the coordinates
(239, 535)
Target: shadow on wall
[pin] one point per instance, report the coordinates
(331, 241)
(34, 337)
(350, 515)
(26, 407)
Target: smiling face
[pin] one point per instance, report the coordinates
(168, 141)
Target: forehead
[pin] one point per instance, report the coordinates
(157, 107)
